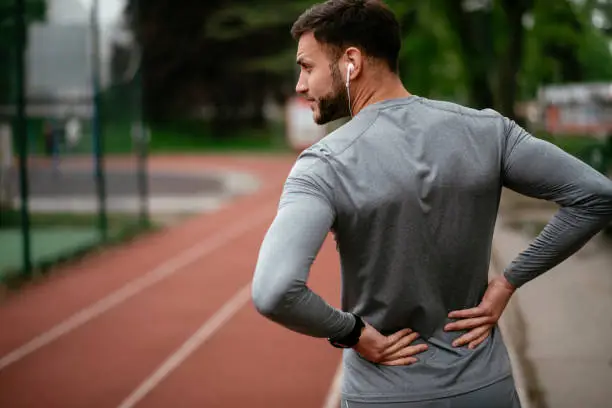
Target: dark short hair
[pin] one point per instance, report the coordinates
(366, 24)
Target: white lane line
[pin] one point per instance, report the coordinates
(334, 394)
(210, 327)
(136, 286)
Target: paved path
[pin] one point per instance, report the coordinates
(561, 322)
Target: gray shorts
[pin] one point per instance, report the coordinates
(501, 394)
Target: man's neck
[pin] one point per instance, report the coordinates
(378, 89)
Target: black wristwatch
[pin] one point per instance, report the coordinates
(350, 339)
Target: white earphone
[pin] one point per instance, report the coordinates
(349, 68)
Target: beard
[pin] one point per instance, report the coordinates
(334, 105)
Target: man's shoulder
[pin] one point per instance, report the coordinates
(318, 159)
(312, 162)
(343, 137)
(455, 108)
(444, 114)
(307, 162)
(311, 173)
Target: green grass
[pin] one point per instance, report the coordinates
(184, 136)
(175, 138)
(58, 238)
(12, 219)
(47, 244)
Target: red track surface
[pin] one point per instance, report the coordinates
(247, 362)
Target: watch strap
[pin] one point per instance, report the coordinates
(352, 338)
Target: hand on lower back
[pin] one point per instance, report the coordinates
(480, 320)
(395, 349)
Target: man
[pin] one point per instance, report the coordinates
(410, 188)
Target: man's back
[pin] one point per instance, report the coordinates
(411, 187)
(415, 185)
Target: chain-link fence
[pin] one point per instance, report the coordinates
(67, 100)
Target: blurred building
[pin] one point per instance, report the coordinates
(577, 109)
(59, 62)
(59, 58)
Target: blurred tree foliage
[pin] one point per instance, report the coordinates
(228, 55)
(35, 11)
(232, 54)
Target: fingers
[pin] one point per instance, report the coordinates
(467, 313)
(479, 340)
(405, 353)
(400, 344)
(468, 323)
(479, 333)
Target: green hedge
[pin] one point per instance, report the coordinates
(597, 153)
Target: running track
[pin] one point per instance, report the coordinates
(167, 320)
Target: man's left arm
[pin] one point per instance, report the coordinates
(539, 169)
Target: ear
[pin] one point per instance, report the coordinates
(353, 58)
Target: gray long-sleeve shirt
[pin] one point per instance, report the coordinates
(410, 189)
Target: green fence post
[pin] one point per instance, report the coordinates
(97, 129)
(143, 150)
(143, 132)
(21, 132)
(143, 175)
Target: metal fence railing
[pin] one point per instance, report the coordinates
(61, 108)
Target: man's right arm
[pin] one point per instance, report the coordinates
(539, 169)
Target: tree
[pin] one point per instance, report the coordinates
(563, 45)
(204, 53)
(34, 10)
(512, 53)
(430, 61)
(484, 53)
